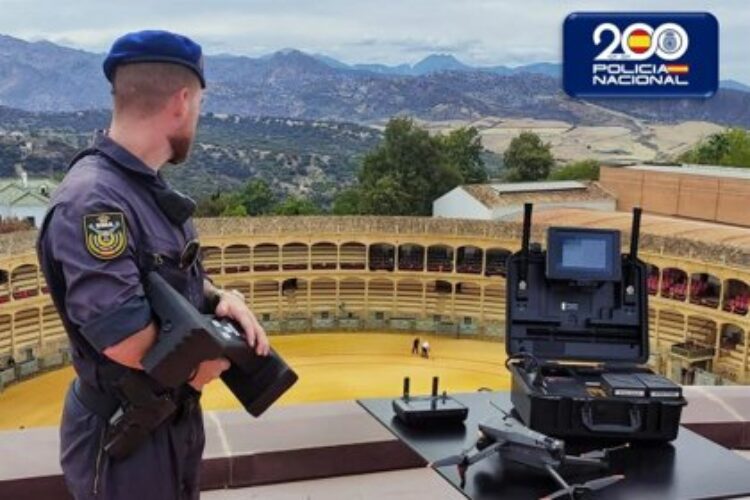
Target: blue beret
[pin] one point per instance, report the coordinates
(155, 46)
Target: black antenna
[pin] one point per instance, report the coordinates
(635, 233)
(434, 387)
(406, 389)
(527, 208)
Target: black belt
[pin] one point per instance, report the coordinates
(105, 405)
(96, 401)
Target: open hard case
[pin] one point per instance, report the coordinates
(577, 338)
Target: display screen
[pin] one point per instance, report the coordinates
(585, 253)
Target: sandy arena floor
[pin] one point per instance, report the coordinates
(341, 366)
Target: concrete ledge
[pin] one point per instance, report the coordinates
(719, 413)
(412, 484)
(289, 443)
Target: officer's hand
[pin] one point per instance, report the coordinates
(207, 371)
(232, 306)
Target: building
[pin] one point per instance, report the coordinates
(25, 199)
(505, 201)
(715, 194)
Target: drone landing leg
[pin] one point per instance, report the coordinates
(557, 477)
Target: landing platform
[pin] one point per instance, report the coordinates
(689, 467)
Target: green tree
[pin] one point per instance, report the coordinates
(211, 206)
(528, 158)
(257, 197)
(730, 148)
(236, 209)
(578, 170)
(406, 172)
(294, 205)
(386, 196)
(347, 202)
(463, 149)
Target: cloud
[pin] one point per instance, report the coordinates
(487, 32)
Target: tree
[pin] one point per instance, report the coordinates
(578, 170)
(211, 206)
(234, 210)
(463, 149)
(221, 205)
(347, 202)
(386, 196)
(406, 172)
(729, 148)
(257, 197)
(528, 158)
(294, 205)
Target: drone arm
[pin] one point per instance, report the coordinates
(493, 448)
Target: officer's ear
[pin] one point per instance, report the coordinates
(181, 103)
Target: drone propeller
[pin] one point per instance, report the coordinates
(459, 459)
(450, 460)
(464, 460)
(576, 490)
(602, 482)
(603, 454)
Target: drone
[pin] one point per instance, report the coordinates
(515, 442)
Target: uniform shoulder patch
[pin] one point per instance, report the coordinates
(106, 235)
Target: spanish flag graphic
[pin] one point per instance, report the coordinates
(639, 41)
(678, 69)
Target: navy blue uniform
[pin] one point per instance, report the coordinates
(109, 223)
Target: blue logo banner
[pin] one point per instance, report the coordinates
(640, 54)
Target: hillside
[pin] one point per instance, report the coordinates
(311, 158)
(41, 76)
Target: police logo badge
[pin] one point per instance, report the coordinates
(106, 235)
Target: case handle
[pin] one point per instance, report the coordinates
(588, 421)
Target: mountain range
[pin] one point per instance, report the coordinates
(42, 76)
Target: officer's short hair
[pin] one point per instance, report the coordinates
(144, 88)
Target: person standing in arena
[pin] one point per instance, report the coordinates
(415, 346)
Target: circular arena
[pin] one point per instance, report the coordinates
(366, 286)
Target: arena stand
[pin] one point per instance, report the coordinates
(305, 274)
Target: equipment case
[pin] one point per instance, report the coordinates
(577, 339)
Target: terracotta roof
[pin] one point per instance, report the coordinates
(496, 195)
(657, 225)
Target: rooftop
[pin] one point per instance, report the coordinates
(707, 170)
(29, 192)
(657, 225)
(518, 193)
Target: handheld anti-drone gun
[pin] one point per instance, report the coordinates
(186, 338)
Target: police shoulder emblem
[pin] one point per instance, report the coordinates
(105, 234)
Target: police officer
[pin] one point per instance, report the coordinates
(112, 220)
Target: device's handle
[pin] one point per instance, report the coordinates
(588, 421)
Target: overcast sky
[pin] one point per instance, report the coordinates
(480, 32)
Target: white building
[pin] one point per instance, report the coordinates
(505, 201)
(25, 199)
